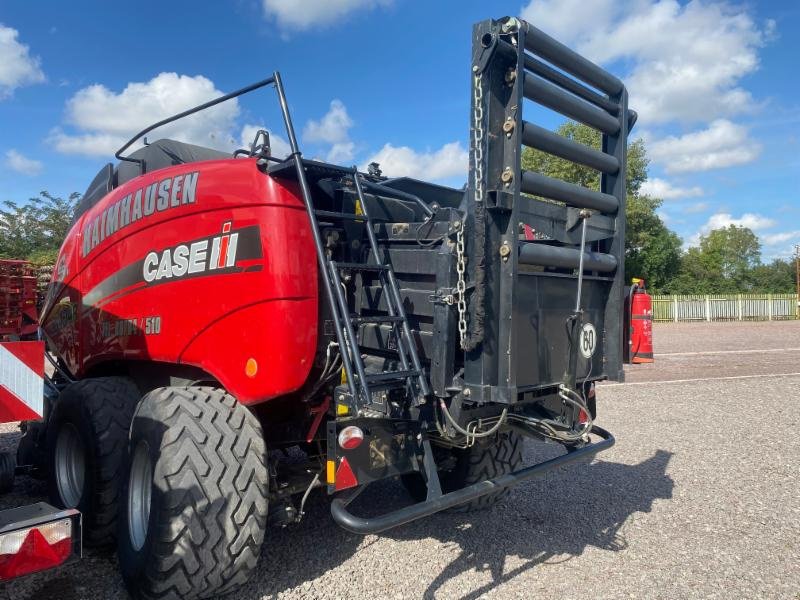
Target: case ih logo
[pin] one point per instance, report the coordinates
(193, 258)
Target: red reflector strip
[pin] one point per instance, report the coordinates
(345, 478)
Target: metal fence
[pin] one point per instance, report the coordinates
(733, 307)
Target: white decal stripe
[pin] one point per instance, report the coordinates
(21, 381)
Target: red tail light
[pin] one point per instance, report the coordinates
(351, 437)
(35, 549)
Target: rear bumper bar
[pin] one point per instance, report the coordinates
(366, 525)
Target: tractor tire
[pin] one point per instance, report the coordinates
(195, 497)
(8, 467)
(485, 460)
(85, 442)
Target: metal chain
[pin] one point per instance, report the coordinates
(461, 285)
(479, 134)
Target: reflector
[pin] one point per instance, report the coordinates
(345, 478)
(35, 549)
(350, 437)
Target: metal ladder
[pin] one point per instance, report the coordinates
(410, 374)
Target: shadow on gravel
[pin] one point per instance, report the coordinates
(542, 522)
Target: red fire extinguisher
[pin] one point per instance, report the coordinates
(641, 326)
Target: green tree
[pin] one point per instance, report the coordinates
(778, 277)
(36, 229)
(652, 251)
(724, 262)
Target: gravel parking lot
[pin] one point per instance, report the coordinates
(700, 498)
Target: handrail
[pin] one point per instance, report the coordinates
(186, 113)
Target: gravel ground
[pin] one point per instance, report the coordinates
(698, 499)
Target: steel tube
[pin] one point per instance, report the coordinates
(550, 95)
(552, 143)
(366, 525)
(547, 72)
(557, 53)
(569, 193)
(534, 253)
(209, 104)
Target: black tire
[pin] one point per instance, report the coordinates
(8, 465)
(99, 411)
(487, 459)
(208, 487)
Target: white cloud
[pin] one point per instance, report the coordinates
(660, 188)
(686, 59)
(450, 160)
(17, 66)
(722, 144)
(22, 164)
(342, 152)
(752, 221)
(332, 128)
(279, 146)
(307, 14)
(103, 120)
(773, 239)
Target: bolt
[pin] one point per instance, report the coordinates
(507, 176)
(508, 126)
(475, 69)
(505, 250)
(467, 392)
(457, 224)
(341, 397)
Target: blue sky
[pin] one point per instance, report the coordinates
(715, 83)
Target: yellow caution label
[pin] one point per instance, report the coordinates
(342, 410)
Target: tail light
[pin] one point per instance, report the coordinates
(35, 538)
(350, 437)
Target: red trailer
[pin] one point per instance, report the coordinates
(18, 314)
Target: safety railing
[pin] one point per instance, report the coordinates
(731, 307)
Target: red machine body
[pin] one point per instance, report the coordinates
(641, 327)
(209, 264)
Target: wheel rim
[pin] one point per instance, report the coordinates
(70, 463)
(139, 493)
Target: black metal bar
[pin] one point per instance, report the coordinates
(186, 113)
(359, 320)
(570, 193)
(339, 216)
(392, 192)
(367, 525)
(553, 97)
(360, 266)
(557, 53)
(535, 253)
(552, 143)
(318, 243)
(547, 72)
(391, 375)
(400, 194)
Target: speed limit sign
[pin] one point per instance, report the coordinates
(587, 340)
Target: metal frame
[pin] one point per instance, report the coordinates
(514, 62)
(368, 525)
